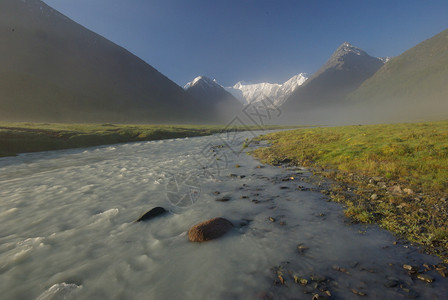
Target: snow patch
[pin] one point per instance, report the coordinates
(277, 93)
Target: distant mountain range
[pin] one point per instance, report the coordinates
(55, 70)
(203, 87)
(277, 93)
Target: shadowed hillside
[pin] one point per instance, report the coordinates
(412, 86)
(345, 71)
(53, 69)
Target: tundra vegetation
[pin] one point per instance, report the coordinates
(394, 175)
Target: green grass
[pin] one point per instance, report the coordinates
(31, 137)
(412, 156)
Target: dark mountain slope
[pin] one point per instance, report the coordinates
(412, 86)
(345, 71)
(53, 69)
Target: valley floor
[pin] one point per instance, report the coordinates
(394, 175)
(33, 137)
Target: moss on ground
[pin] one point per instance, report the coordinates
(394, 175)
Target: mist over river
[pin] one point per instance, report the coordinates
(67, 229)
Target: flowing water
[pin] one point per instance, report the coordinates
(67, 229)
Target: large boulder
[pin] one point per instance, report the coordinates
(156, 211)
(209, 230)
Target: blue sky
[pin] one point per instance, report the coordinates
(254, 40)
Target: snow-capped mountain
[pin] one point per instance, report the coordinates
(203, 82)
(385, 59)
(275, 92)
(212, 96)
(206, 89)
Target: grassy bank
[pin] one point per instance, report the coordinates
(31, 137)
(394, 175)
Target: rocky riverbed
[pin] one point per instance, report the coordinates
(68, 228)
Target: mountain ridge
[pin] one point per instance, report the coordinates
(411, 85)
(343, 72)
(55, 70)
(275, 92)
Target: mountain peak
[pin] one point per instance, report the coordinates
(346, 48)
(202, 80)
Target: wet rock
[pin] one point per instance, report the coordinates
(302, 249)
(300, 280)
(244, 197)
(425, 277)
(317, 278)
(284, 187)
(242, 176)
(224, 199)
(338, 268)
(391, 283)
(359, 293)
(156, 211)
(442, 271)
(209, 230)
(410, 268)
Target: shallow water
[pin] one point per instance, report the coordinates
(67, 228)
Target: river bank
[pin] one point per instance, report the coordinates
(392, 175)
(34, 137)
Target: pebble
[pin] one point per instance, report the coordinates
(442, 271)
(223, 199)
(410, 268)
(391, 283)
(425, 277)
(359, 293)
(302, 248)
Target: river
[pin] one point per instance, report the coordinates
(67, 229)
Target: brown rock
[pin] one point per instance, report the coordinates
(396, 189)
(408, 191)
(209, 230)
